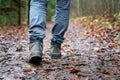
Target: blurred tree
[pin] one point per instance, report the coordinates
(94, 7)
(17, 11)
(51, 9)
(8, 11)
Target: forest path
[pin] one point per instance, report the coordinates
(84, 57)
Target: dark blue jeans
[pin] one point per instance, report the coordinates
(38, 19)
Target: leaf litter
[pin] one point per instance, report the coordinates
(89, 53)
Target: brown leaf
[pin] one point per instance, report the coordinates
(103, 49)
(96, 49)
(112, 45)
(19, 48)
(74, 70)
(114, 59)
(27, 70)
(87, 34)
(66, 45)
(109, 71)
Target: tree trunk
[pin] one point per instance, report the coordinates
(19, 12)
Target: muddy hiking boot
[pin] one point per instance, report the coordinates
(35, 49)
(55, 50)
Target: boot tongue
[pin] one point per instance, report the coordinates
(56, 48)
(37, 46)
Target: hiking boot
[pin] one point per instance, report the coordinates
(35, 52)
(55, 50)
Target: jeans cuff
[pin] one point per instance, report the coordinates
(35, 38)
(55, 40)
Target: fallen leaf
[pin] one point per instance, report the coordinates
(27, 70)
(19, 48)
(74, 70)
(66, 45)
(96, 49)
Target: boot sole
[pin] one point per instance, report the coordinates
(35, 60)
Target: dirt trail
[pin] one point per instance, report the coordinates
(80, 61)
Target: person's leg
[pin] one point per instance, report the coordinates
(37, 29)
(37, 19)
(60, 26)
(61, 20)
